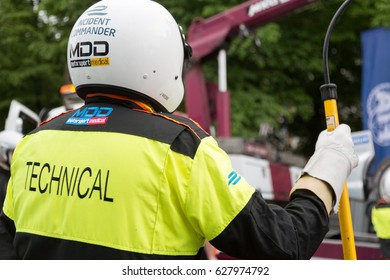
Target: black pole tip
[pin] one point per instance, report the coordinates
(328, 91)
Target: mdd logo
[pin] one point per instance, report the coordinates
(83, 49)
(90, 116)
(98, 49)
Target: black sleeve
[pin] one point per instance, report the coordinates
(4, 177)
(269, 231)
(7, 233)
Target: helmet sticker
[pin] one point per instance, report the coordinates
(94, 24)
(233, 178)
(97, 11)
(90, 116)
(99, 49)
(91, 53)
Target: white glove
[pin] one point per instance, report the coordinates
(333, 160)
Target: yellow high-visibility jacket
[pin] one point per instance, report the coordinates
(380, 216)
(111, 180)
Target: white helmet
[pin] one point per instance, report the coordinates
(133, 48)
(8, 141)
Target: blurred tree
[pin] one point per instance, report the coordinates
(33, 47)
(26, 68)
(276, 84)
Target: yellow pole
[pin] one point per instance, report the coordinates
(345, 218)
(329, 97)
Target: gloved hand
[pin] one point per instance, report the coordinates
(333, 160)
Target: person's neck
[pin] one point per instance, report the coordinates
(142, 105)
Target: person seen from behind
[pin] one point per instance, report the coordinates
(380, 216)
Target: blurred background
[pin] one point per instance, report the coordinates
(274, 72)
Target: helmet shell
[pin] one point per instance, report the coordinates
(132, 48)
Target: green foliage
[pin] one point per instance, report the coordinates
(29, 69)
(33, 48)
(277, 83)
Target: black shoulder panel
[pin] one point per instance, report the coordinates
(181, 133)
